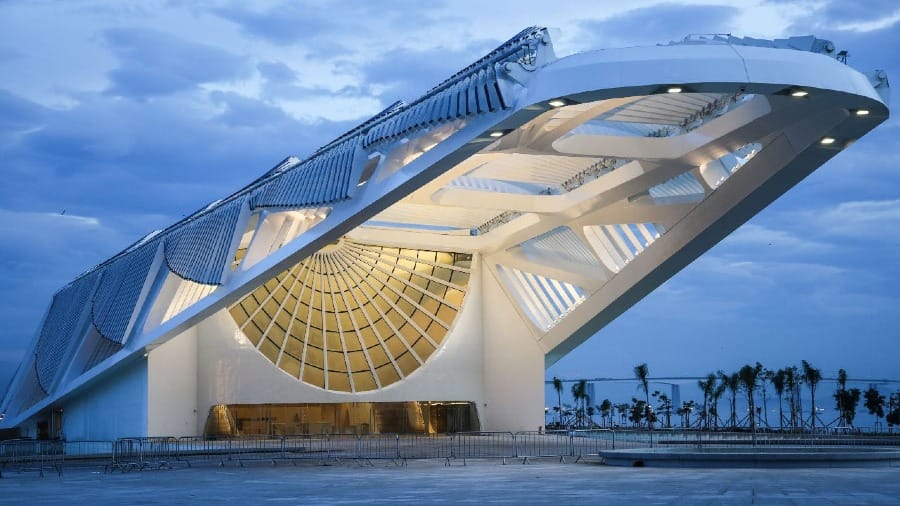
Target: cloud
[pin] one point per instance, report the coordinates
(877, 220)
(407, 73)
(658, 23)
(17, 113)
(752, 236)
(158, 63)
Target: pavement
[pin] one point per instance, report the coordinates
(431, 481)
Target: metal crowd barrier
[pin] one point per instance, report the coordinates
(477, 445)
(32, 455)
(162, 452)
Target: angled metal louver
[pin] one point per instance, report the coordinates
(323, 179)
(117, 293)
(61, 327)
(472, 91)
(546, 301)
(198, 250)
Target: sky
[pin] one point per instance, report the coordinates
(119, 118)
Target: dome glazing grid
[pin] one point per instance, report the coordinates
(355, 317)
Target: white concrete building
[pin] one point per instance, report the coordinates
(421, 271)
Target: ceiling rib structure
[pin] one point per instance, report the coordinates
(522, 204)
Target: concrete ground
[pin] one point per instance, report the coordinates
(481, 481)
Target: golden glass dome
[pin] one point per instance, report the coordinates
(355, 317)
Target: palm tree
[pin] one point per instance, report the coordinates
(840, 394)
(748, 377)
(707, 386)
(579, 393)
(778, 383)
(605, 408)
(717, 394)
(764, 378)
(732, 383)
(812, 377)
(558, 386)
(791, 383)
(642, 372)
(874, 402)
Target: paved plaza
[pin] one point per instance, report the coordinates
(481, 481)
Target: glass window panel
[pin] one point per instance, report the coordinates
(423, 348)
(405, 307)
(344, 319)
(431, 305)
(283, 319)
(315, 319)
(409, 333)
(269, 350)
(239, 315)
(437, 289)
(460, 278)
(314, 357)
(328, 302)
(407, 363)
(378, 356)
(368, 337)
(315, 339)
(396, 318)
(253, 333)
(338, 381)
(261, 320)
(290, 365)
(280, 293)
(272, 284)
(351, 341)
(442, 273)
(454, 297)
(383, 329)
(330, 321)
(358, 361)
(294, 347)
(446, 314)
(421, 319)
(387, 375)
(313, 376)
(395, 346)
(336, 361)
(364, 381)
(333, 340)
(436, 332)
(276, 335)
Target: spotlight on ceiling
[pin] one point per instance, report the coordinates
(827, 141)
(862, 112)
(674, 89)
(558, 102)
(799, 93)
(497, 133)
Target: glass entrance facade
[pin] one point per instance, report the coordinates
(420, 417)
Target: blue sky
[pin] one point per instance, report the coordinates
(130, 115)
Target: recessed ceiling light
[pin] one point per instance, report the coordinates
(674, 89)
(799, 93)
(556, 103)
(361, 183)
(862, 112)
(496, 133)
(827, 141)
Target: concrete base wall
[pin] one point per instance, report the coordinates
(112, 408)
(172, 387)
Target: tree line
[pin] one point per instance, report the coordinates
(750, 381)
